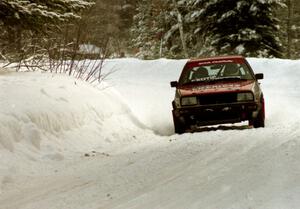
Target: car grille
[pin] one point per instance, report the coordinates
(212, 99)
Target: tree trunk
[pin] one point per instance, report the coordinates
(180, 24)
(289, 25)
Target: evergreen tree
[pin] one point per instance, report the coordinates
(108, 22)
(290, 24)
(204, 28)
(159, 29)
(38, 14)
(101, 23)
(240, 27)
(146, 29)
(176, 39)
(195, 37)
(24, 21)
(126, 12)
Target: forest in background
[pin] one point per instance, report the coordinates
(148, 29)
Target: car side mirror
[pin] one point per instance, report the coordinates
(174, 83)
(259, 76)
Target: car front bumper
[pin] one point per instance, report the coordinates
(216, 114)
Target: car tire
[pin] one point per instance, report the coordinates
(179, 127)
(259, 121)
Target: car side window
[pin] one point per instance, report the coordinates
(245, 73)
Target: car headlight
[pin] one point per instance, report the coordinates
(185, 101)
(243, 97)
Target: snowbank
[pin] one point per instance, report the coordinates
(47, 116)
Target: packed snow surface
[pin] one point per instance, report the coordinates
(67, 144)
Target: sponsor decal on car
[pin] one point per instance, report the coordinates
(218, 86)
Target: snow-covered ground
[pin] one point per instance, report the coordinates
(65, 144)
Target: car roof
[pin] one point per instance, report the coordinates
(219, 58)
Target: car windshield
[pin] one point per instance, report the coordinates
(215, 72)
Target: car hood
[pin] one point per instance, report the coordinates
(219, 87)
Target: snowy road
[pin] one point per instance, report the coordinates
(70, 146)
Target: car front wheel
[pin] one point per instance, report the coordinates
(179, 126)
(259, 121)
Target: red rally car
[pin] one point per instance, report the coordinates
(217, 90)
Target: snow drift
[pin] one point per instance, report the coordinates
(55, 114)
